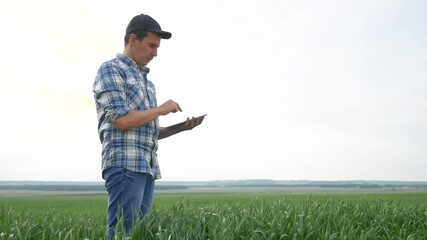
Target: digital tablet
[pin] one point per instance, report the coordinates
(182, 123)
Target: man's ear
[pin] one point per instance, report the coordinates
(132, 39)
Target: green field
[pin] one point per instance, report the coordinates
(238, 215)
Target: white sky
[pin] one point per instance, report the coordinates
(315, 90)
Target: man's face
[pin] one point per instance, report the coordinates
(144, 51)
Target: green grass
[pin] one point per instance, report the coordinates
(224, 216)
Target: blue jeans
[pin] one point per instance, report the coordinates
(130, 195)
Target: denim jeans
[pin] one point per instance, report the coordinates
(130, 195)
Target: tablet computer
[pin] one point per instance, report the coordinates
(182, 123)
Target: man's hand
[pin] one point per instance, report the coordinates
(169, 106)
(192, 123)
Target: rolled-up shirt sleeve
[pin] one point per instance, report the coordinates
(110, 95)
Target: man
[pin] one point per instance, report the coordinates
(128, 123)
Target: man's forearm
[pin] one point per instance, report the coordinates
(135, 118)
(167, 132)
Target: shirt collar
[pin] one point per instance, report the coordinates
(131, 63)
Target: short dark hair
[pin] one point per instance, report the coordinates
(141, 34)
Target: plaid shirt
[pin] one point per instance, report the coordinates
(120, 86)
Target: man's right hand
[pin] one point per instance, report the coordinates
(169, 106)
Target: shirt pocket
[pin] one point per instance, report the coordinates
(151, 91)
(135, 94)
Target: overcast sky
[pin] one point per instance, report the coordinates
(314, 90)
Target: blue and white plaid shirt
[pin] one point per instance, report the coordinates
(120, 86)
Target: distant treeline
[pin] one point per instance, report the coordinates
(177, 185)
(71, 188)
(336, 185)
(55, 187)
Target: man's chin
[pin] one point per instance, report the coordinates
(143, 64)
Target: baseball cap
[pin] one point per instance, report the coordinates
(145, 22)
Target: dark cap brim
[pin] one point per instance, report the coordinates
(162, 34)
